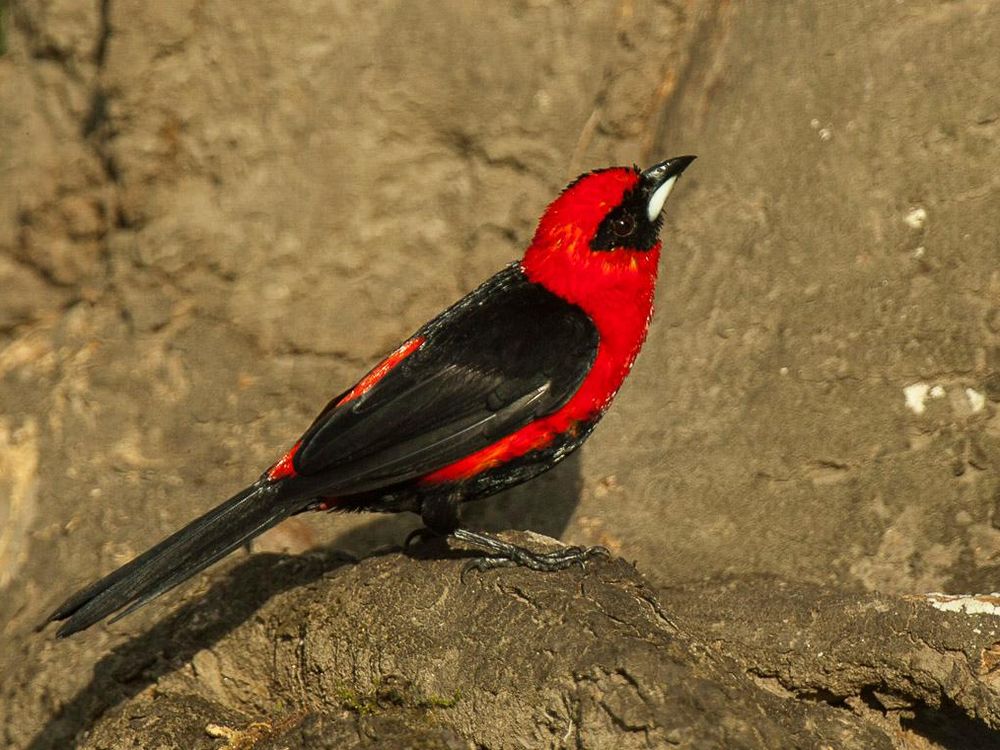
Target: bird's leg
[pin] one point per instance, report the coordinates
(440, 516)
(504, 554)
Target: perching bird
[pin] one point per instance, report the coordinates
(497, 389)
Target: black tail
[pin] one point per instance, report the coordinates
(178, 557)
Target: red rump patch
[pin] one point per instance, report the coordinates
(284, 467)
(381, 370)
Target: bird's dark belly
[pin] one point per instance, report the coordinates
(416, 497)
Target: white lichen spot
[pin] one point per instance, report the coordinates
(919, 252)
(970, 604)
(814, 124)
(783, 371)
(916, 217)
(916, 396)
(825, 134)
(977, 400)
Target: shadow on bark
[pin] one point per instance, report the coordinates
(544, 505)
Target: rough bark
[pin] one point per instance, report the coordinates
(400, 651)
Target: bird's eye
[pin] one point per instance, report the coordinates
(623, 225)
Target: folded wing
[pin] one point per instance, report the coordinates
(488, 366)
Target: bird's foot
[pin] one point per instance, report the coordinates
(507, 555)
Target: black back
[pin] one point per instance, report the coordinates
(507, 354)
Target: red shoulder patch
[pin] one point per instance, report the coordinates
(285, 467)
(382, 369)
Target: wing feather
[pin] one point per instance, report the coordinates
(509, 353)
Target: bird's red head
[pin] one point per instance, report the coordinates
(600, 238)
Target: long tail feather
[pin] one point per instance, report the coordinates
(180, 556)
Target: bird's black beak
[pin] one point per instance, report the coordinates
(658, 181)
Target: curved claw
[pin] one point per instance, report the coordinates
(482, 564)
(419, 535)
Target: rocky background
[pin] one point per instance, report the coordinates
(214, 215)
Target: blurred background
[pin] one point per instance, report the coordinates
(215, 215)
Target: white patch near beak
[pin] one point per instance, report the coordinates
(659, 198)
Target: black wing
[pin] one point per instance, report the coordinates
(505, 355)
